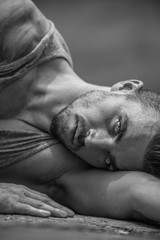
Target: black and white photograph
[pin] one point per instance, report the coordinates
(79, 119)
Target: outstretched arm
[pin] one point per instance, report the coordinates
(120, 195)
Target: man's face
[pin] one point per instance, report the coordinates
(109, 132)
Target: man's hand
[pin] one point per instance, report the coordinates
(18, 199)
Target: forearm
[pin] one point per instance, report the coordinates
(119, 195)
(97, 193)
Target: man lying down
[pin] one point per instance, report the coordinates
(42, 100)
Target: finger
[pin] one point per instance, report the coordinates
(25, 209)
(56, 205)
(45, 199)
(41, 205)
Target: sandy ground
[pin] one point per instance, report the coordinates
(31, 228)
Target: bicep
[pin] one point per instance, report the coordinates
(146, 200)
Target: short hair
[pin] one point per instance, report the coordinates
(151, 160)
(150, 99)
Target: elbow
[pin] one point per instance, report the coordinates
(145, 202)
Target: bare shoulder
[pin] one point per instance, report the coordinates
(23, 26)
(16, 8)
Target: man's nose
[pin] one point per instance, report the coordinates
(98, 139)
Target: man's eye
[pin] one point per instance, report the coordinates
(117, 127)
(108, 162)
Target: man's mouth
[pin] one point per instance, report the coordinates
(77, 133)
(72, 130)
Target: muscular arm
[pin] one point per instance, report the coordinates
(22, 26)
(88, 191)
(120, 195)
(64, 177)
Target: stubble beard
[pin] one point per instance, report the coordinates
(59, 126)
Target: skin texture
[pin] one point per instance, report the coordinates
(107, 129)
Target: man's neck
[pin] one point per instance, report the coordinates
(56, 87)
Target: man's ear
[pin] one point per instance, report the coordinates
(129, 85)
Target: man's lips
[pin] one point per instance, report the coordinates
(77, 133)
(72, 130)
